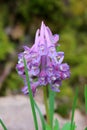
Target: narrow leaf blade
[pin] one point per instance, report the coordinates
(85, 93)
(56, 125)
(3, 125)
(48, 127)
(73, 108)
(41, 117)
(30, 95)
(86, 128)
(66, 126)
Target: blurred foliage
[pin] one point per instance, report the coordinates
(14, 82)
(5, 46)
(65, 17)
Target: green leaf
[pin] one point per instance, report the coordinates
(51, 105)
(48, 127)
(73, 109)
(85, 93)
(41, 117)
(73, 126)
(56, 125)
(3, 125)
(30, 95)
(86, 128)
(67, 126)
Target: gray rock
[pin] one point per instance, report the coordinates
(16, 113)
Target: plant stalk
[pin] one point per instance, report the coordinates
(46, 104)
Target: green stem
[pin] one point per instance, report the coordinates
(51, 106)
(30, 95)
(46, 104)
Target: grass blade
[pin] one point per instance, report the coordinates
(3, 125)
(41, 117)
(56, 125)
(85, 93)
(86, 128)
(73, 108)
(30, 95)
(48, 127)
(51, 105)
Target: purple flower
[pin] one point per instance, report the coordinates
(44, 63)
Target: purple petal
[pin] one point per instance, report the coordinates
(55, 38)
(42, 78)
(48, 40)
(58, 58)
(65, 75)
(35, 46)
(55, 86)
(42, 49)
(33, 88)
(26, 48)
(49, 31)
(52, 52)
(42, 30)
(20, 55)
(42, 44)
(34, 70)
(64, 67)
(25, 90)
(20, 68)
(49, 71)
(35, 58)
(37, 37)
(51, 78)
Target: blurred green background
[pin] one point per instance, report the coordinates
(19, 20)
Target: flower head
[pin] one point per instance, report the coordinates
(44, 63)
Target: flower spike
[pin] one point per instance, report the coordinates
(44, 63)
